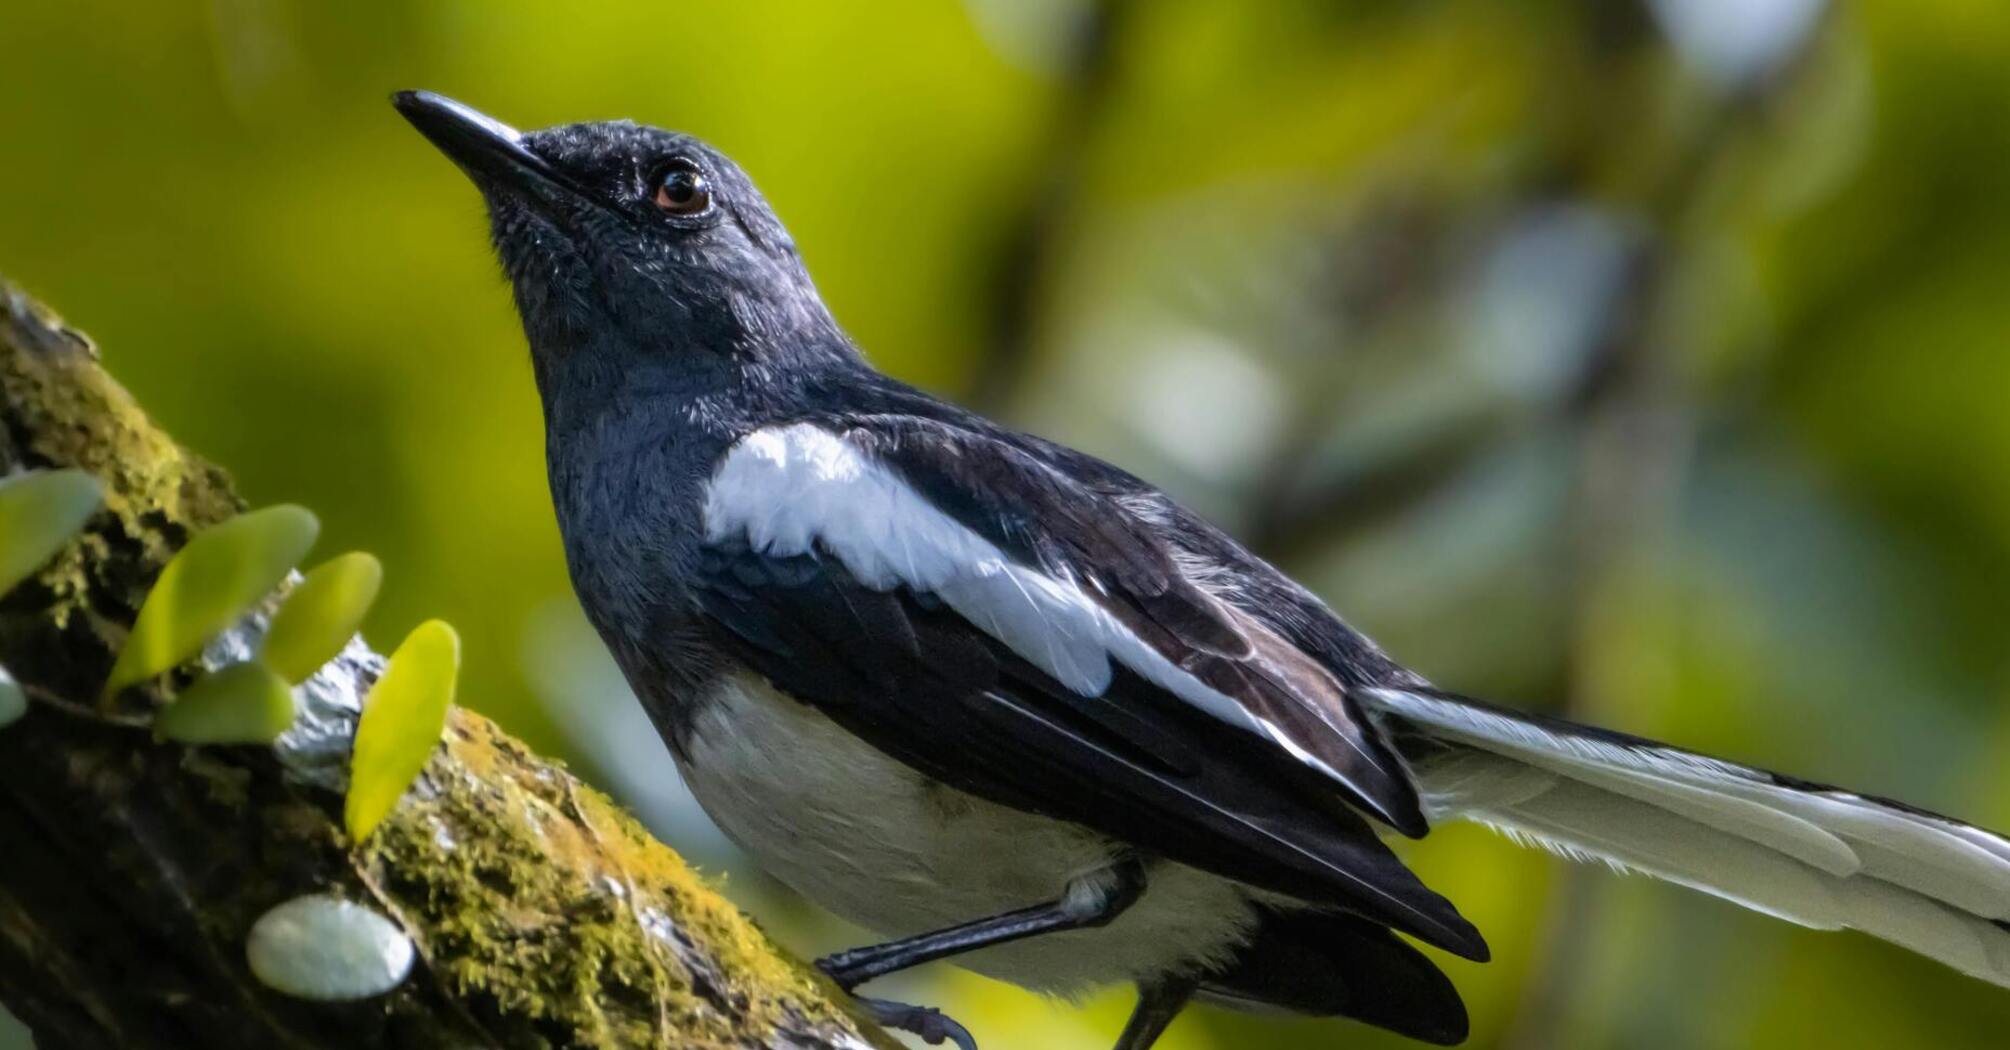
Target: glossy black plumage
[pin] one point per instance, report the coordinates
(1337, 965)
(1065, 519)
(922, 684)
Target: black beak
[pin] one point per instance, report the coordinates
(490, 151)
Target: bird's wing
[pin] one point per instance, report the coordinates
(976, 613)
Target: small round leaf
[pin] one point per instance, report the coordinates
(222, 572)
(402, 720)
(320, 616)
(13, 700)
(240, 704)
(39, 512)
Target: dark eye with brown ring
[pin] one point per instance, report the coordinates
(683, 190)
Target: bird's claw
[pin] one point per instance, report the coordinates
(932, 1025)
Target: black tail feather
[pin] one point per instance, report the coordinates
(1331, 964)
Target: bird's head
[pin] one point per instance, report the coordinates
(626, 243)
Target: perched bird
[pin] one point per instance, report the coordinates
(1007, 705)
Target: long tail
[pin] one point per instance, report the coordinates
(1811, 854)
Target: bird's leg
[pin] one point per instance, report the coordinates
(1159, 1001)
(1089, 901)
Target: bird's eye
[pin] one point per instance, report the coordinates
(683, 190)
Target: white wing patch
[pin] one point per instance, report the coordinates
(793, 489)
(1824, 859)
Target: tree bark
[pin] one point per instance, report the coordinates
(131, 870)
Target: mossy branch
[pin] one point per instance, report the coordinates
(132, 870)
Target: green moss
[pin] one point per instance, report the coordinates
(549, 914)
(540, 895)
(65, 411)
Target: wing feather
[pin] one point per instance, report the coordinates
(1074, 672)
(1070, 580)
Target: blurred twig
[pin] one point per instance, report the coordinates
(1026, 258)
(1288, 517)
(1633, 437)
(1633, 446)
(1286, 523)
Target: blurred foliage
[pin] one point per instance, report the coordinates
(1641, 359)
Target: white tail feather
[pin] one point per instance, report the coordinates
(1817, 857)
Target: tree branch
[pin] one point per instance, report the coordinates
(132, 870)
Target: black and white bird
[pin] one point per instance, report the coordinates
(1007, 705)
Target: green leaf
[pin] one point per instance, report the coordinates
(39, 512)
(321, 615)
(222, 572)
(13, 700)
(402, 721)
(244, 703)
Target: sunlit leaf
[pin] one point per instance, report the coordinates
(222, 572)
(402, 720)
(320, 616)
(13, 701)
(39, 512)
(245, 703)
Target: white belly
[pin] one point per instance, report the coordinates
(882, 846)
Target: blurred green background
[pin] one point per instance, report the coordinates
(1644, 360)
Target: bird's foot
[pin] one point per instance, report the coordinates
(932, 1025)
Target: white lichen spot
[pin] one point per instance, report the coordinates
(324, 948)
(658, 925)
(13, 701)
